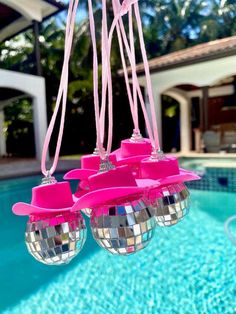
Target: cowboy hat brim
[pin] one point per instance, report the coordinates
(183, 176)
(106, 196)
(25, 209)
(78, 194)
(79, 174)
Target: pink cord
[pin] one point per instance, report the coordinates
(131, 102)
(106, 82)
(127, 7)
(106, 48)
(117, 13)
(120, 27)
(132, 50)
(62, 91)
(148, 76)
(104, 90)
(120, 10)
(106, 78)
(99, 141)
(106, 59)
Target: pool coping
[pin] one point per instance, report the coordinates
(10, 169)
(14, 168)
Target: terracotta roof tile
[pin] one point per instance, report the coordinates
(197, 53)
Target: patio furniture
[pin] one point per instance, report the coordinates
(212, 141)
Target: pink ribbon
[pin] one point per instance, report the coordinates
(151, 128)
(106, 83)
(62, 93)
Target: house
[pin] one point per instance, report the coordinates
(15, 17)
(202, 79)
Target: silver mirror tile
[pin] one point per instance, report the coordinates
(55, 240)
(124, 229)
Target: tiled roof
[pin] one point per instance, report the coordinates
(202, 52)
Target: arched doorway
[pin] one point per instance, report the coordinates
(32, 87)
(170, 111)
(181, 128)
(17, 136)
(207, 116)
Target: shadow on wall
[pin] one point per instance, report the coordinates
(20, 274)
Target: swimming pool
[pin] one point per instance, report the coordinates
(189, 268)
(216, 174)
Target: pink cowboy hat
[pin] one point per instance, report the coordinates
(165, 172)
(129, 148)
(89, 166)
(79, 174)
(132, 153)
(109, 187)
(49, 198)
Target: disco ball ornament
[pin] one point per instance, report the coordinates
(172, 206)
(123, 229)
(55, 239)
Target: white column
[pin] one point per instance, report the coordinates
(185, 125)
(40, 121)
(158, 108)
(3, 149)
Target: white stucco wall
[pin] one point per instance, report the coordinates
(30, 10)
(201, 74)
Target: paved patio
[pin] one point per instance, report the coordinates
(11, 168)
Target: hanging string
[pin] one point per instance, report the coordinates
(62, 91)
(107, 67)
(134, 114)
(118, 11)
(106, 83)
(121, 30)
(135, 104)
(99, 140)
(104, 86)
(152, 131)
(148, 77)
(130, 97)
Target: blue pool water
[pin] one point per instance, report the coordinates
(186, 269)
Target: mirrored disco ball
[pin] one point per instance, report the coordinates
(123, 229)
(173, 206)
(55, 240)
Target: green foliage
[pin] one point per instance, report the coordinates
(173, 25)
(19, 127)
(16, 51)
(20, 109)
(168, 26)
(170, 106)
